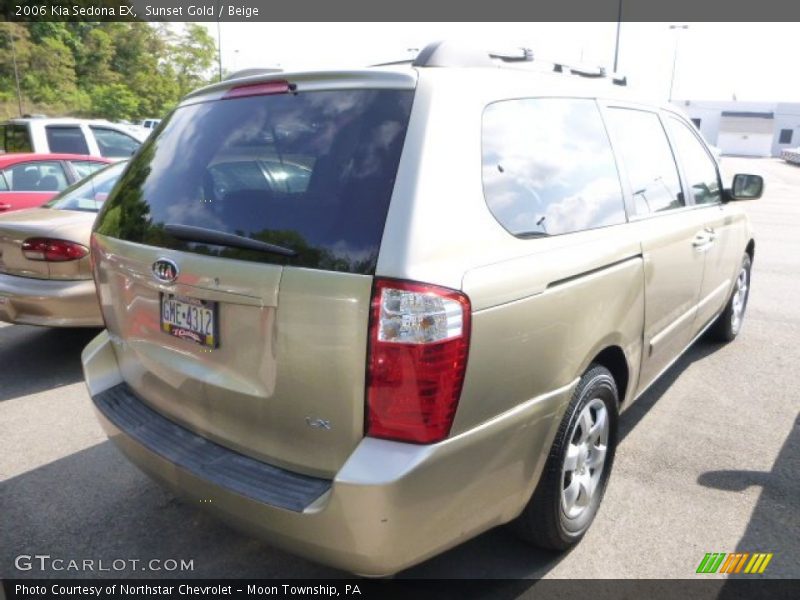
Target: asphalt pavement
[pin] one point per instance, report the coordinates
(708, 461)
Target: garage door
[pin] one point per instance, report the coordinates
(745, 144)
(746, 133)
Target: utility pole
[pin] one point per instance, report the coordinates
(619, 25)
(677, 29)
(16, 70)
(219, 51)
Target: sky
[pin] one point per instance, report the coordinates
(715, 61)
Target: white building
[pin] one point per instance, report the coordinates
(746, 128)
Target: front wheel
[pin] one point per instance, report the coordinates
(576, 473)
(729, 323)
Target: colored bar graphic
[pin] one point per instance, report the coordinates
(701, 568)
(717, 562)
(741, 562)
(754, 563)
(731, 560)
(711, 562)
(714, 562)
(764, 564)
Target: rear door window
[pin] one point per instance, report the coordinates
(66, 139)
(16, 138)
(311, 171)
(36, 176)
(113, 143)
(644, 148)
(548, 167)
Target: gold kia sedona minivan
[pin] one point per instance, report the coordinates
(370, 314)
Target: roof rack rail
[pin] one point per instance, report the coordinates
(522, 55)
(449, 54)
(591, 72)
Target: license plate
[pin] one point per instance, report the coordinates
(190, 319)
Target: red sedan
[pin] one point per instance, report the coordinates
(30, 180)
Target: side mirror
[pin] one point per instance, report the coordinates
(745, 187)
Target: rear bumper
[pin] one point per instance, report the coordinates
(390, 506)
(51, 302)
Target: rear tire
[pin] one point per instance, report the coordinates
(729, 323)
(574, 479)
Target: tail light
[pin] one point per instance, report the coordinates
(50, 250)
(419, 342)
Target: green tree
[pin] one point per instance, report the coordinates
(113, 101)
(50, 74)
(112, 69)
(93, 58)
(192, 55)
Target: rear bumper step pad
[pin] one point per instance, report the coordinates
(206, 459)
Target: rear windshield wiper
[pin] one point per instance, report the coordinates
(201, 235)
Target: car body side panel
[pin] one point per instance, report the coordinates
(592, 297)
(722, 259)
(673, 270)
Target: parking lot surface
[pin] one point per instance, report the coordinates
(708, 459)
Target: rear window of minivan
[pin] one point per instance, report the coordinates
(310, 171)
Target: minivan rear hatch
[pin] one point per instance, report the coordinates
(234, 262)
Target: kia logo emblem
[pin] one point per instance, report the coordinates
(165, 270)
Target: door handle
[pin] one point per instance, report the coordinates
(4, 206)
(703, 239)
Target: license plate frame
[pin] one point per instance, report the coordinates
(206, 336)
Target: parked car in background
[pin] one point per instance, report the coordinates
(370, 314)
(791, 155)
(28, 180)
(150, 123)
(45, 277)
(75, 136)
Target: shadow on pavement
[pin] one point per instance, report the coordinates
(496, 554)
(40, 358)
(94, 504)
(774, 525)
